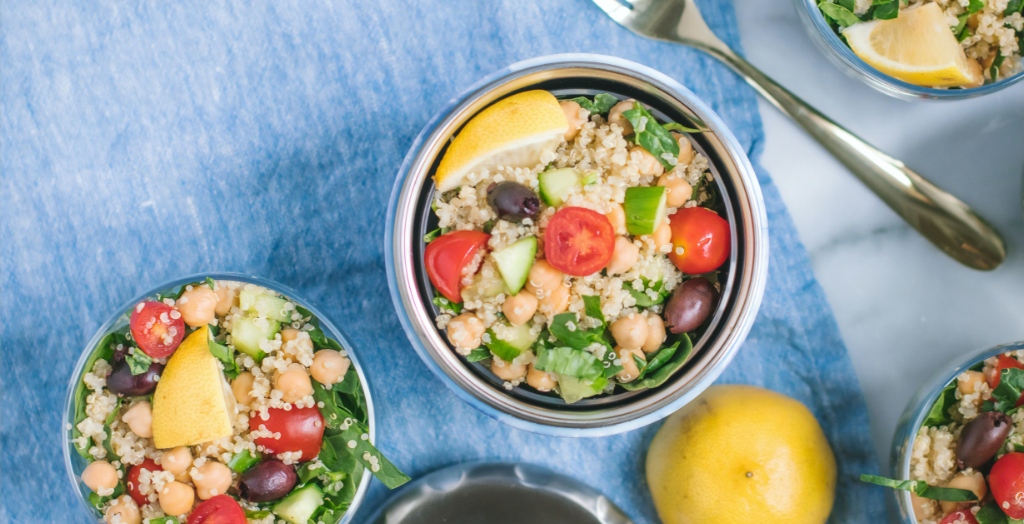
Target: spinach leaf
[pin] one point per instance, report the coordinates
(478, 354)
(565, 327)
(349, 385)
(104, 351)
(651, 136)
(602, 103)
(1009, 390)
(211, 283)
(658, 359)
(886, 10)
(1014, 6)
(334, 415)
(370, 458)
(227, 357)
(974, 6)
(923, 489)
(592, 307)
(98, 501)
(241, 462)
(675, 126)
(333, 455)
(446, 305)
(848, 4)
(961, 31)
(991, 514)
(256, 513)
(642, 298)
(307, 472)
(113, 414)
(572, 362)
(173, 294)
(665, 370)
(167, 520)
(940, 415)
(840, 14)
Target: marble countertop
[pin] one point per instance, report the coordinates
(904, 309)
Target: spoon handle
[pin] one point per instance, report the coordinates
(942, 218)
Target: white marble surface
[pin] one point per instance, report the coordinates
(904, 309)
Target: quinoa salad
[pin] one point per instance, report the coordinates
(967, 459)
(222, 402)
(591, 268)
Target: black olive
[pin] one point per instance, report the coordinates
(513, 201)
(122, 382)
(690, 305)
(266, 481)
(981, 438)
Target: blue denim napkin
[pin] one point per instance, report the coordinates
(146, 140)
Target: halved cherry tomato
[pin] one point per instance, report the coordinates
(957, 517)
(447, 257)
(133, 480)
(221, 509)
(579, 241)
(1005, 362)
(704, 237)
(1006, 480)
(155, 330)
(302, 429)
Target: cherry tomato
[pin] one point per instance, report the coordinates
(221, 509)
(302, 429)
(447, 258)
(1006, 480)
(1005, 362)
(957, 517)
(704, 237)
(579, 241)
(155, 330)
(133, 480)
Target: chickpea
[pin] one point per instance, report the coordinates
(242, 388)
(226, 299)
(572, 114)
(198, 306)
(655, 333)
(624, 256)
(519, 308)
(329, 367)
(977, 72)
(677, 188)
(507, 370)
(543, 277)
(924, 509)
(214, 479)
(540, 380)
(629, 369)
(615, 116)
(556, 302)
(294, 383)
(617, 216)
(140, 419)
(686, 151)
(126, 508)
(465, 331)
(100, 476)
(974, 482)
(662, 236)
(968, 381)
(176, 498)
(648, 165)
(294, 341)
(176, 460)
(630, 331)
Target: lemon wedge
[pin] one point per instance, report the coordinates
(189, 405)
(918, 47)
(513, 133)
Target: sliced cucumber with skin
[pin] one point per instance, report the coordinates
(483, 288)
(514, 262)
(645, 209)
(271, 307)
(300, 504)
(246, 336)
(508, 350)
(554, 184)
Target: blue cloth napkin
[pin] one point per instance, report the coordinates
(143, 141)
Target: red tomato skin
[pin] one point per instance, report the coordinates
(1006, 481)
(221, 509)
(957, 517)
(302, 429)
(704, 237)
(446, 257)
(133, 480)
(579, 241)
(148, 336)
(1005, 362)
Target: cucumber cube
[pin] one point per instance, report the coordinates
(265, 305)
(514, 262)
(300, 504)
(508, 350)
(645, 209)
(246, 335)
(554, 184)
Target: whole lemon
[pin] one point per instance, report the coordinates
(741, 454)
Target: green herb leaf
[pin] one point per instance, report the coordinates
(940, 415)
(571, 362)
(489, 225)
(961, 31)
(665, 370)
(642, 298)
(1014, 6)
(478, 354)
(592, 307)
(431, 236)
(991, 514)
(923, 489)
(974, 6)
(227, 357)
(651, 135)
(840, 14)
(602, 103)
(1009, 390)
(659, 359)
(565, 327)
(256, 513)
(113, 413)
(241, 462)
(640, 364)
(446, 305)
(675, 126)
(211, 283)
(993, 72)
(138, 362)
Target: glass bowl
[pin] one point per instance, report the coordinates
(917, 410)
(846, 60)
(74, 464)
(409, 217)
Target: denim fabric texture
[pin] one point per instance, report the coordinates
(142, 141)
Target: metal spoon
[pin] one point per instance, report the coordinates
(942, 218)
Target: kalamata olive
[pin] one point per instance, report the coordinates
(981, 438)
(266, 481)
(690, 305)
(513, 201)
(121, 380)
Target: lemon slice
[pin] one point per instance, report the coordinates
(918, 47)
(513, 133)
(190, 406)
